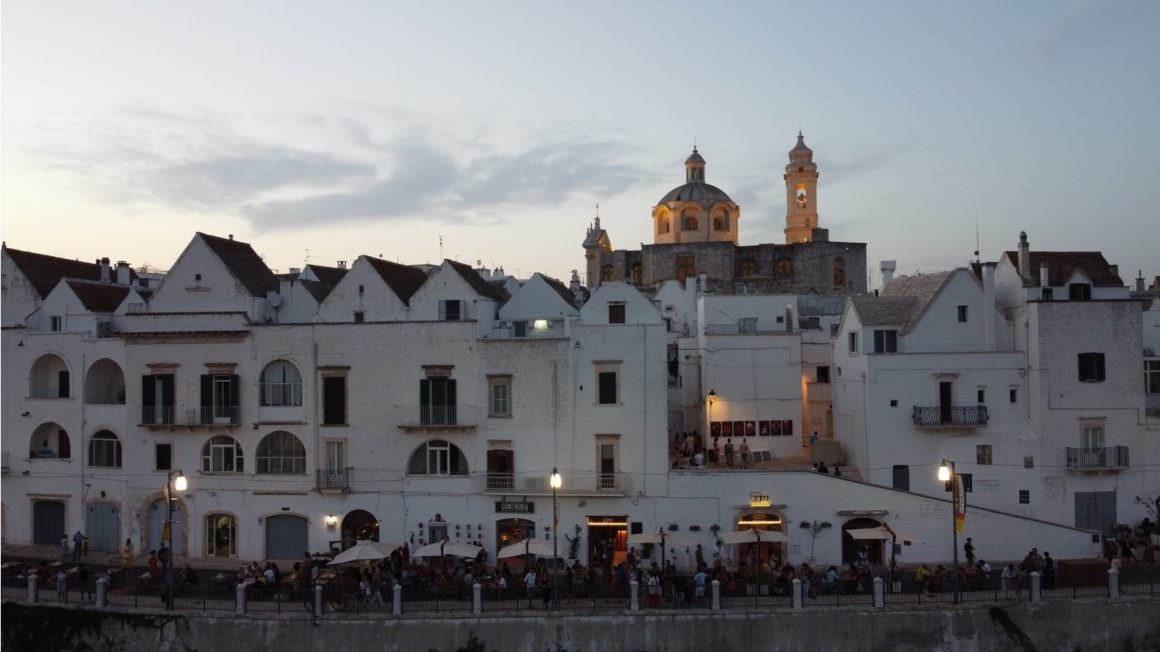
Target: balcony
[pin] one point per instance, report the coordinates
(574, 484)
(220, 415)
(334, 480)
(441, 419)
(156, 416)
(1111, 458)
(960, 416)
(437, 415)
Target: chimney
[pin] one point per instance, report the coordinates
(988, 316)
(1043, 276)
(1114, 269)
(123, 272)
(703, 282)
(1140, 281)
(105, 271)
(576, 286)
(1024, 257)
(887, 267)
(295, 270)
(342, 264)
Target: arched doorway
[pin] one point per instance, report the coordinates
(102, 526)
(514, 530)
(47, 521)
(769, 553)
(851, 545)
(157, 524)
(359, 524)
(285, 536)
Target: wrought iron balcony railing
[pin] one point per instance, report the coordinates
(334, 479)
(1097, 459)
(956, 416)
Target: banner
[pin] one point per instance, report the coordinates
(960, 498)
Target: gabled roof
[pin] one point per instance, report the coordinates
(98, 297)
(244, 263)
(903, 300)
(328, 275)
(883, 311)
(560, 289)
(317, 290)
(45, 272)
(1061, 264)
(481, 287)
(405, 281)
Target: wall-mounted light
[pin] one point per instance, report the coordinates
(331, 521)
(540, 324)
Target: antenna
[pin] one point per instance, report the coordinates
(976, 236)
(440, 247)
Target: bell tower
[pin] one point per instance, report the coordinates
(801, 199)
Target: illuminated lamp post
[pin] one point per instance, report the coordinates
(556, 481)
(179, 484)
(946, 472)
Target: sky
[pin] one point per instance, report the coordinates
(489, 132)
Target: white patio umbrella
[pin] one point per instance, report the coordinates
(365, 550)
(526, 547)
(661, 538)
(448, 548)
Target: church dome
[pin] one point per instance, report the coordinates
(800, 152)
(695, 188)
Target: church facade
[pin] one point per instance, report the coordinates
(696, 229)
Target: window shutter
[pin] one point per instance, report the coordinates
(206, 390)
(167, 396)
(451, 391)
(148, 397)
(424, 392)
(235, 390)
(1099, 366)
(442, 311)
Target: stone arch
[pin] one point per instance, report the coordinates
(105, 450)
(49, 377)
(221, 534)
(437, 457)
(50, 440)
(105, 383)
(280, 385)
(851, 546)
(281, 453)
(358, 524)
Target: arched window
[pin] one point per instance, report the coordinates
(49, 378)
(606, 273)
(839, 272)
(690, 223)
(662, 224)
(437, 457)
(720, 220)
(49, 440)
(748, 267)
(221, 535)
(280, 452)
(802, 196)
(281, 385)
(785, 266)
(105, 450)
(222, 454)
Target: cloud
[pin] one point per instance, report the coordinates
(380, 166)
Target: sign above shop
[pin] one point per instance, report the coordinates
(759, 499)
(515, 507)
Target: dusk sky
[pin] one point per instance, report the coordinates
(322, 131)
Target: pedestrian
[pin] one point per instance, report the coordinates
(969, 549)
(813, 439)
(1048, 571)
(744, 454)
(729, 452)
(78, 545)
(127, 555)
(62, 583)
(64, 546)
(83, 580)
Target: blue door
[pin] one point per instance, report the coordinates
(102, 527)
(157, 523)
(285, 537)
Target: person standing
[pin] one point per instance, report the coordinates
(83, 580)
(729, 452)
(127, 555)
(1048, 571)
(744, 453)
(78, 545)
(64, 546)
(969, 549)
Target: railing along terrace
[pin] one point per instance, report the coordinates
(437, 415)
(151, 414)
(335, 478)
(220, 415)
(959, 415)
(1110, 457)
(572, 482)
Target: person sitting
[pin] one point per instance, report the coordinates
(938, 579)
(832, 582)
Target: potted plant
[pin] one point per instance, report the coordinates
(574, 543)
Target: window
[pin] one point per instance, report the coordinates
(452, 310)
(636, 272)
(823, 374)
(606, 273)
(606, 385)
(221, 537)
(1091, 437)
(785, 267)
(105, 450)
(359, 316)
(1152, 376)
(616, 312)
(980, 396)
(747, 325)
(57, 324)
(839, 272)
(685, 267)
(1091, 367)
(219, 399)
(500, 396)
(607, 454)
(1028, 461)
(663, 225)
(901, 477)
(853, 342)
(163, 457)
(748, 268)
(1079, 291)
(437, 401)
(885, 341)
(893, 402)
(157, 399)
(962, 313)
(500, 468)
(222, 454)
(690, 223)
(983, 454)
(437, 457)
(281, 385)
(1024, 497)
(1048, 295)
(1013, 395)
(280, 453)
(333, 400)
(968, 483)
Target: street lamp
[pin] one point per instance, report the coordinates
(946, 472)
(172, 483)
(709, 421)
(556, 481)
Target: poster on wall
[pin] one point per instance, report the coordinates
(738, 428)
(775, 428)
(715, 429)
(787, 427)
(763, 428)
(750, 428)
(726, 428)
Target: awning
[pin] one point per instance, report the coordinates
(879, 533)
(753, 536)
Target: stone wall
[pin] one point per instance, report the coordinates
(1072, 625)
